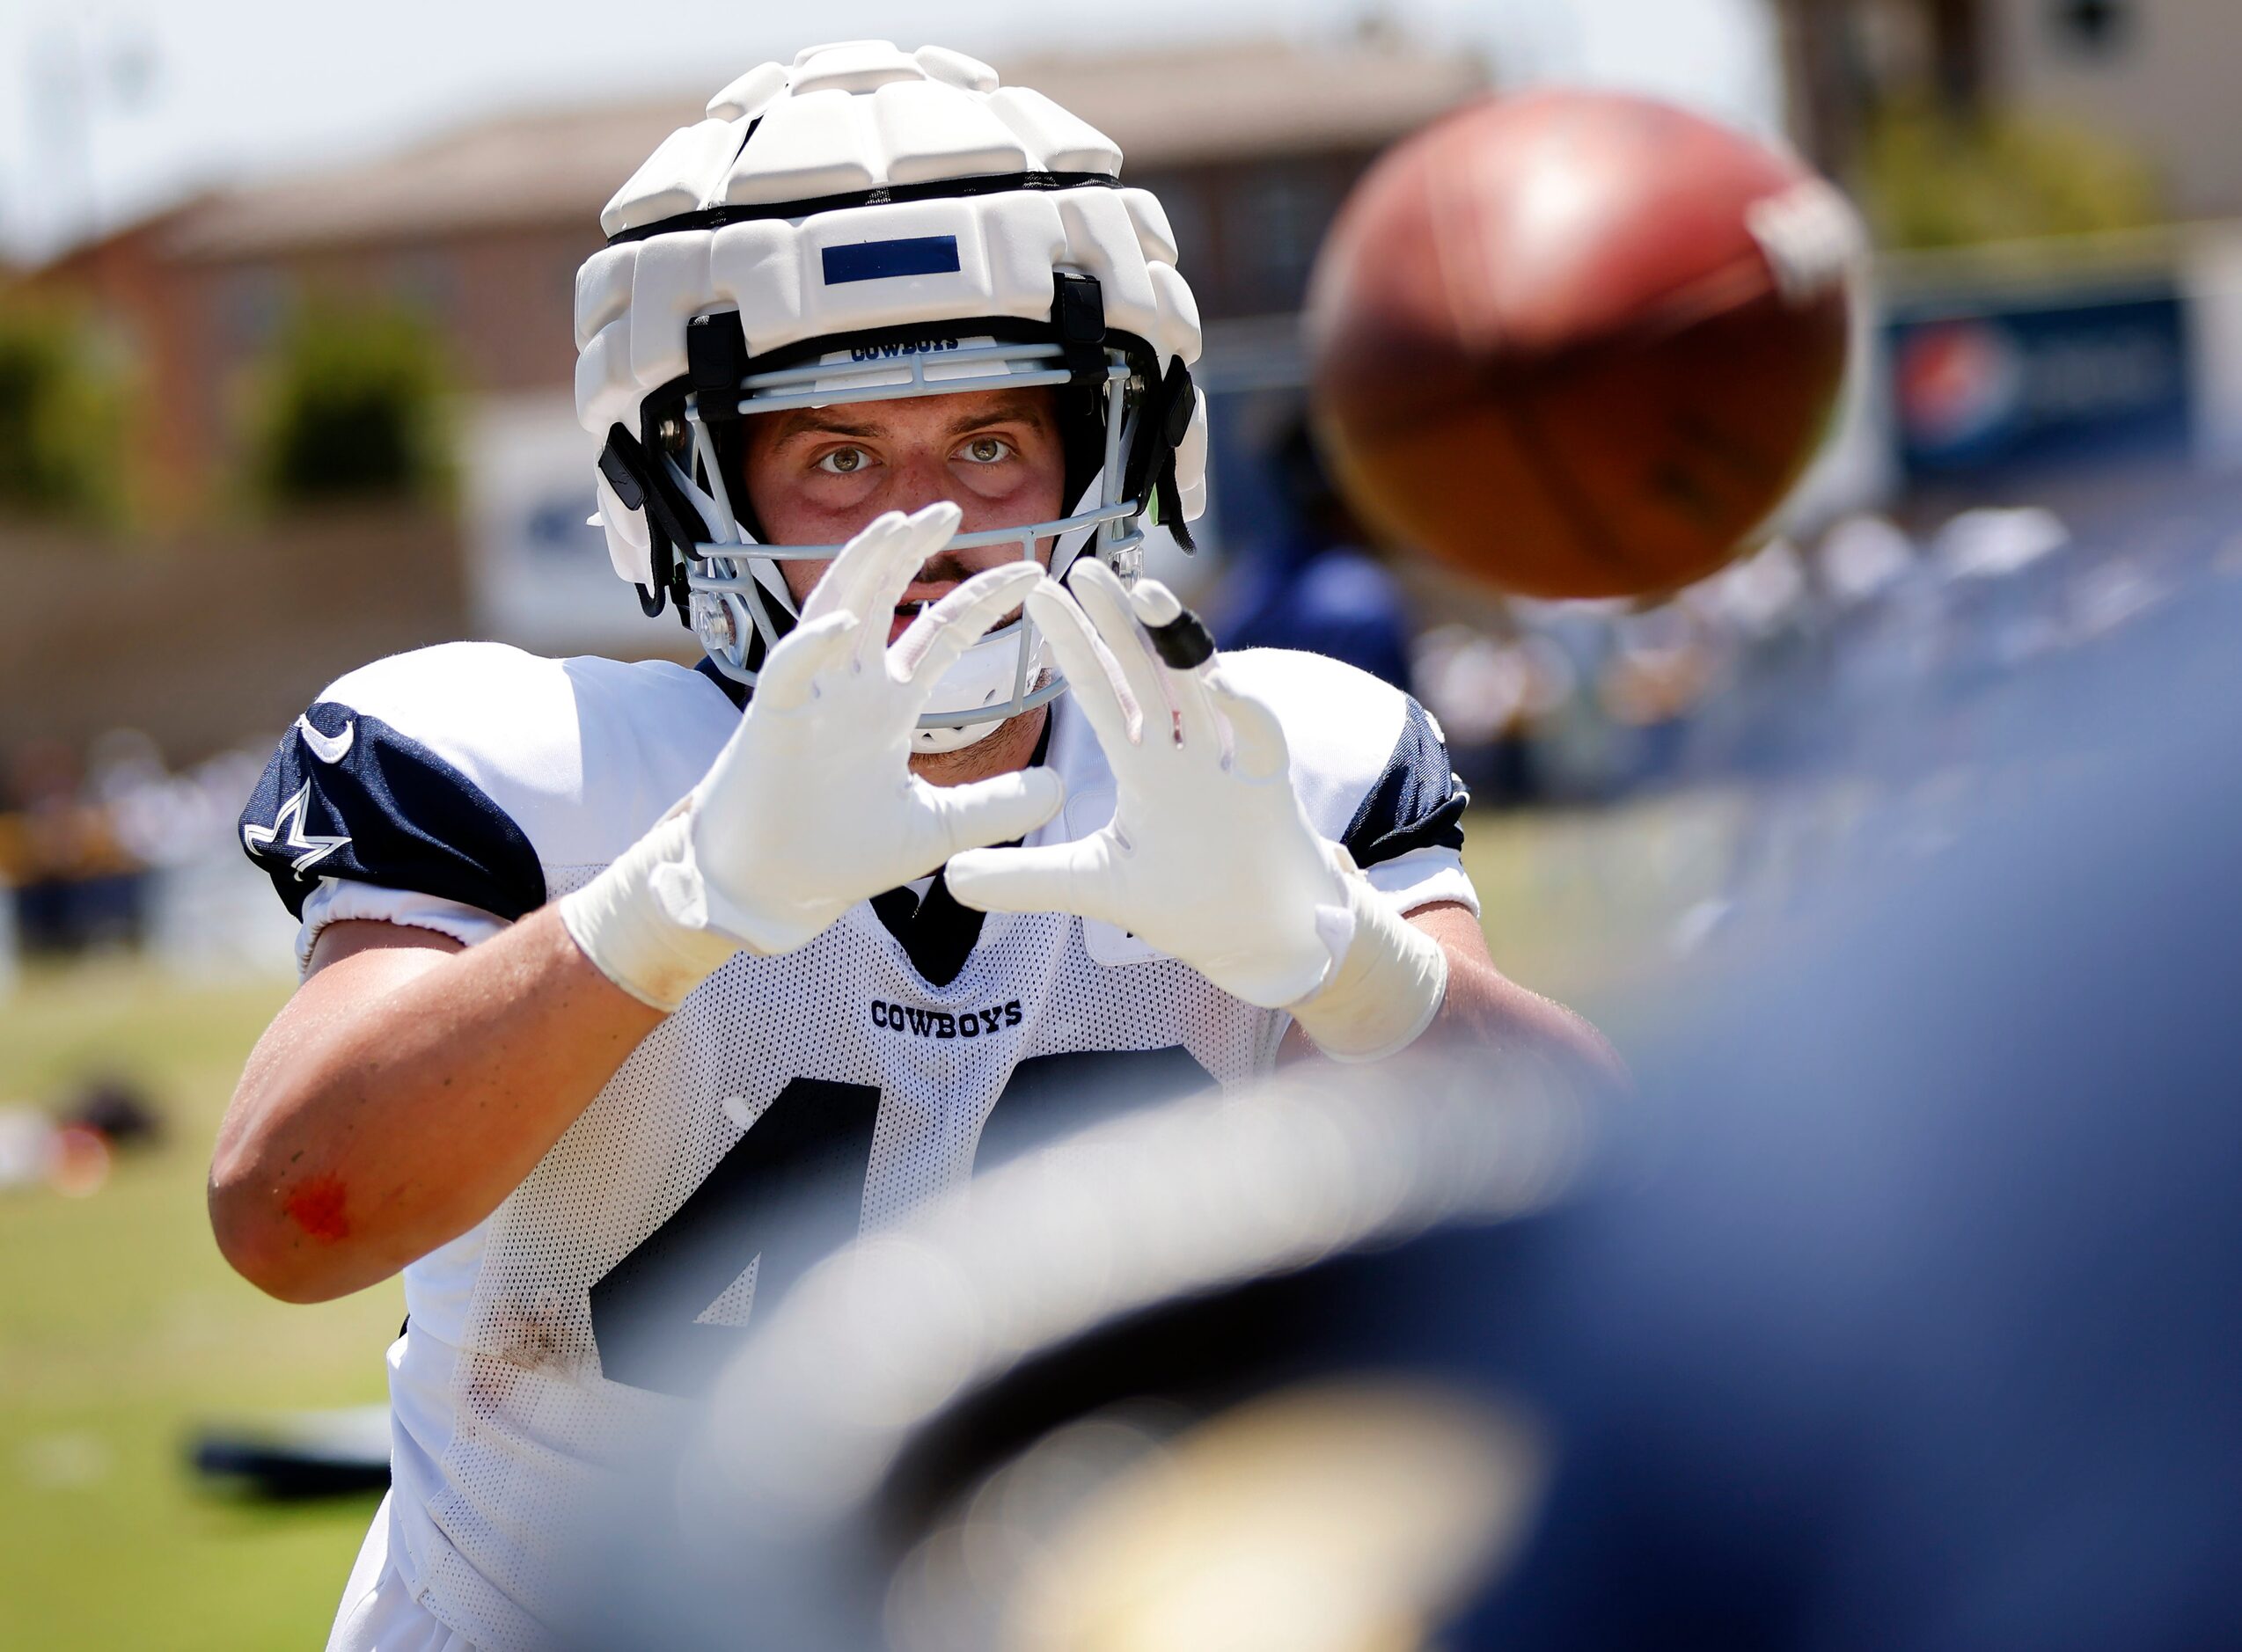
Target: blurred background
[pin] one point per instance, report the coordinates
(285, 369)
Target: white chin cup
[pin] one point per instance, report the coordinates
(985, 674)
(982, 677)
(925, 742)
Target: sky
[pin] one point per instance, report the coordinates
(109, 108)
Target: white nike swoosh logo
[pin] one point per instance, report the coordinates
(326, 747)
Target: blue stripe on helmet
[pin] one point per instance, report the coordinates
(875, 260)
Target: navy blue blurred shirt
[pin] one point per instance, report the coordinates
(1285, 593)
(1912, 1317)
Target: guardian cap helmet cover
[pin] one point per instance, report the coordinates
(862, 225)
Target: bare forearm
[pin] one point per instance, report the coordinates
(1487, 1010)
(398, 1099)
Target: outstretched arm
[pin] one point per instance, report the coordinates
(403, 1091)
(1211, 857)
(409, 1086)
(1486, 1010)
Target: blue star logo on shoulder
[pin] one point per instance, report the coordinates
(286, 837)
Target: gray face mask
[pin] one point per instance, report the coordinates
(740, 605)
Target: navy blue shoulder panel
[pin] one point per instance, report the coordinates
(1417, 803)
(734, 691)
(353, 798)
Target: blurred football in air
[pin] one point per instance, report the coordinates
(1580, 344)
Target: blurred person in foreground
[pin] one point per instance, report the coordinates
(1898, 1308)
(1907, 1314)
(567, 1046)
(1312, 582)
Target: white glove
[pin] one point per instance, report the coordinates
(1209, 856)
(811, 806)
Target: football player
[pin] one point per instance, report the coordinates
(889, 370)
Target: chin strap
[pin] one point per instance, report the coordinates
(1152, 467)
(672, 519)
(1078, 315)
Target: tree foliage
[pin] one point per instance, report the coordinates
(1930, 180)
(58, 412)
(351, 408)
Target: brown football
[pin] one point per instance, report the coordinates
(1579, 344)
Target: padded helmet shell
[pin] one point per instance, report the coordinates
(863, 188)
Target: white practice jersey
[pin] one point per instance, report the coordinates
(789, 1102)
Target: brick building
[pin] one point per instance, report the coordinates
(225, 626)
(1250, 146)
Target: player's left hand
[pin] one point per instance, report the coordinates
(1209, 856)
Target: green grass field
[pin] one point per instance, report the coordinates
(120, 1328)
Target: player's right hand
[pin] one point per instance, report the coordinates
(811, 806)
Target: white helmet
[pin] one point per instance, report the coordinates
(862, 225)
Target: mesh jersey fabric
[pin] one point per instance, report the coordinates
(522, 1379)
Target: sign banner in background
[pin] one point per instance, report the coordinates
(2033, 384)
(537, 573)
